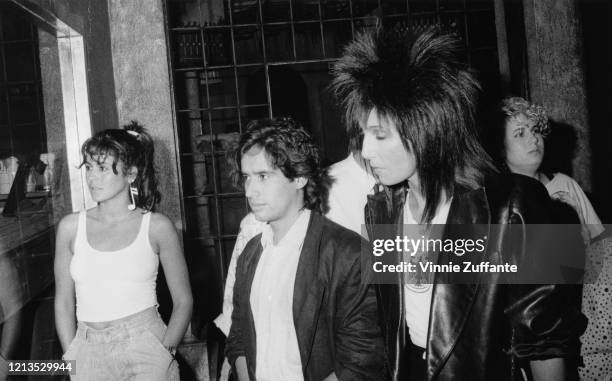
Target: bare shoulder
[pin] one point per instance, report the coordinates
(68, 225)
(163, 236)
(161, 220)
(65, 235)
(161, 225)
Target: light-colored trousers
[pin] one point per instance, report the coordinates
(130, 349)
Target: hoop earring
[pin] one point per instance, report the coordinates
(133, 193)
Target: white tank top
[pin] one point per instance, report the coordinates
(110, 285)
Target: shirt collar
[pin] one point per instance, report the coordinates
(295, 235)
(439, 218)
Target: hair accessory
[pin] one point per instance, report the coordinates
(133, 193)
(133, 133)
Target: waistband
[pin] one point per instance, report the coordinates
(118, 329)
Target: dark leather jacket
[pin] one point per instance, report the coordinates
(482, 331)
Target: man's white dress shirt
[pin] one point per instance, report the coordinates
(278, 354)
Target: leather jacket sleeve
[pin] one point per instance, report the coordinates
(237, 343)
(546, 321)
(359, 345)
(234, 346)
(545, 318)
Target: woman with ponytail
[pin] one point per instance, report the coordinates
(106, 264)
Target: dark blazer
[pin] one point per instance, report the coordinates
(486, 331)
(334, 311)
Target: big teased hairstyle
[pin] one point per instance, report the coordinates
(133, 147)
(508, 108)
(292, 150)
(416, 81)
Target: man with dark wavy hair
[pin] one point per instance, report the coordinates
(415, 104)
(301, 310)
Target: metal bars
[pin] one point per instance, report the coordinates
(237, 48)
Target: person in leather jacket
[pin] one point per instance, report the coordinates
(415, 104)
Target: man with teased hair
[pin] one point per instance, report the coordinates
(415, 104)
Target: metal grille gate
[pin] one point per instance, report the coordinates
(234, 60)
